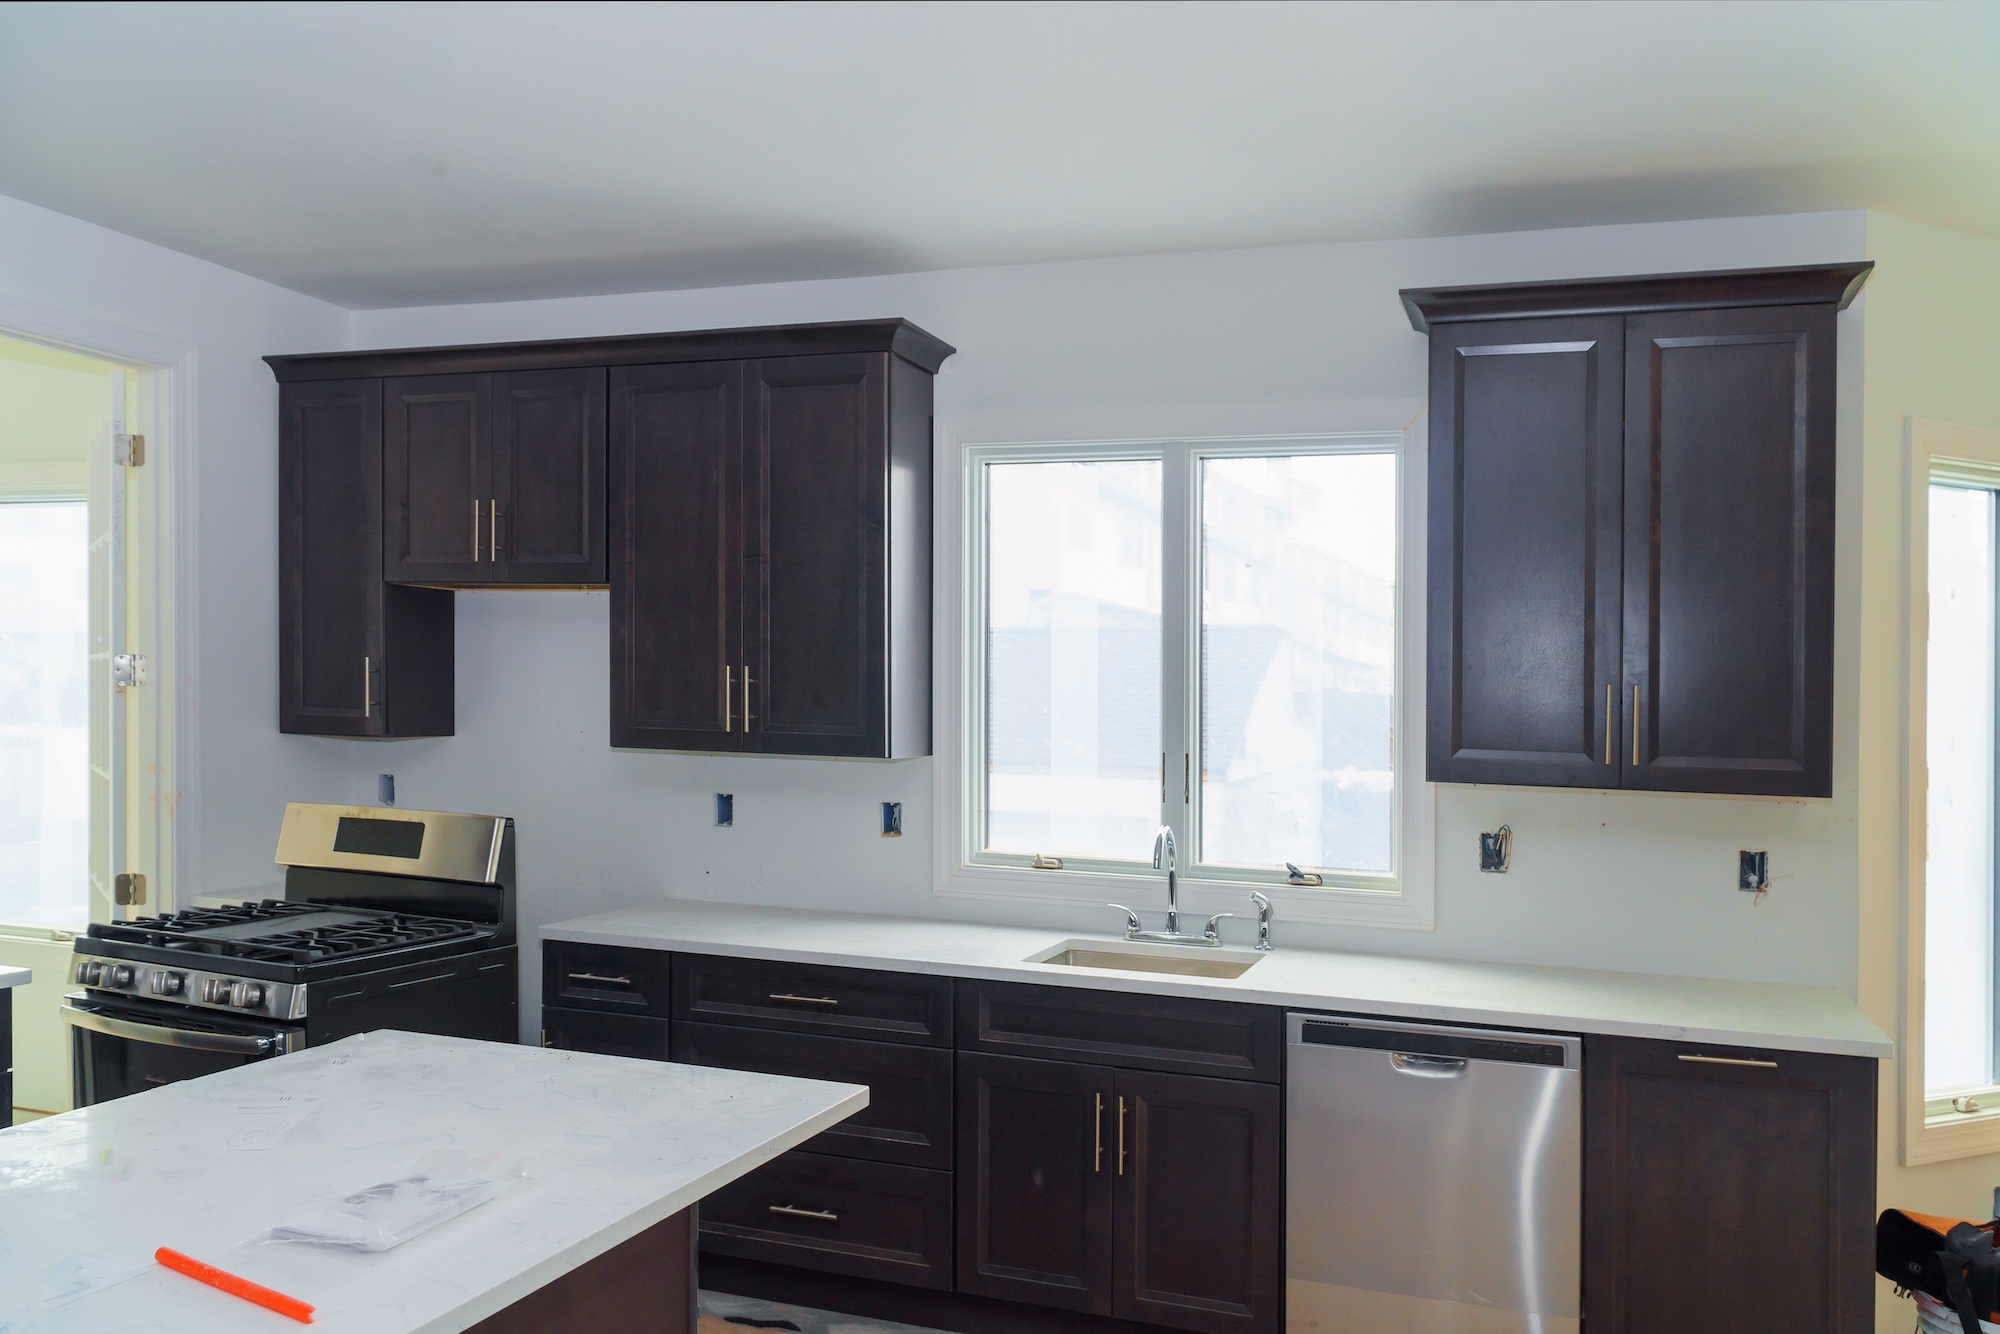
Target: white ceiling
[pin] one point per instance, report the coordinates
(380, 155)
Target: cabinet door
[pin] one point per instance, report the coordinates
(1525, 551)
(677, 543)
(1729, 478)
(546, 521)
(634, 1035)
(437, 477)
(1200, 1203)
(1727, 1190)
(816, 500)
(356, 657)
(1036, 1166)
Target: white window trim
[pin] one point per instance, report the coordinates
(1411, 904)
(1930, 449)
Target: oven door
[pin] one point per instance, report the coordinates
(122, 1047)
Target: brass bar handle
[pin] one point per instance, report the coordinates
(1610, 727)
(728, 687)
(475, 532)
(607, 981)
(802, 1000)
(367, 688)
(1097, 1136)
(1121, 1136)
(1730, 1060)
(1635, 727)
(493, 530)
(817, 1215)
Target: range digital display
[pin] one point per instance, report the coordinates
(379, 838)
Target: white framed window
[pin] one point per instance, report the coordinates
(1218, 635)
(1951, 1082)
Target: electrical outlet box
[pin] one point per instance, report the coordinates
(892, 819)
(725, 809)
(1753, 872)
(385, 789)
(1496, 850)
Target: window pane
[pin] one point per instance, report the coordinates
(44, 774)
(1958, 736)
(1073, 658)
(1298, 655)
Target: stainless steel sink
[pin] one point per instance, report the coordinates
(1176, 961)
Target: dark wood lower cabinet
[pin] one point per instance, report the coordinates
(642, 1286)
(1727, 1190)
(1200, 1204)
(608, 1034)
(871, 1220)
(1037, 1164)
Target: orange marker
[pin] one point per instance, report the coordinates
(234, 1286)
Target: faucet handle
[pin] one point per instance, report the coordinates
(1131, 918)
(1212, 933)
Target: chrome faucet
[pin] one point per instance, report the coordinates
(1163, 859)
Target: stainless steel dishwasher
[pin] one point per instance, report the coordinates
(1433, 1179)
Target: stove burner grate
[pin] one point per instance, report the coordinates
(271, 932)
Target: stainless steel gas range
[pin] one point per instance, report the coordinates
(391, 919)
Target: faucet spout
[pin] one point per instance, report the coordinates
(1163, 860)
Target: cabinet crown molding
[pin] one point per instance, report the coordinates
(899, 336)
(1799, 285)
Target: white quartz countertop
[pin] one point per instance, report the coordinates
(1644, 1005)
(608, 1147)
(15, 977)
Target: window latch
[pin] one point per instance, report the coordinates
(1041, 863)
(1298, 877)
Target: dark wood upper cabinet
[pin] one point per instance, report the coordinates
(758, 500)
(1729, 498)
(677, 568)
(1526, 530)
(770, 555)
(494, 479)
(1727, 1189)
(1631, 530)
(357, 656)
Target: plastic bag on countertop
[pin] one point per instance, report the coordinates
(441, 1185)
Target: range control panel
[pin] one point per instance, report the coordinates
(187, 986)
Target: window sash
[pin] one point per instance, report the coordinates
(1180, 658)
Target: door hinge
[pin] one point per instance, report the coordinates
(128, 888)
(128, 670)
(128, 451)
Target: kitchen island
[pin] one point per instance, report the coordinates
(604, 1158)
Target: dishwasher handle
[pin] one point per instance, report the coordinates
(1428, 1067)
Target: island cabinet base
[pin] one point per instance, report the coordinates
(642, 1286)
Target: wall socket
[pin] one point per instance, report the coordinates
(1753, 872)
(725, 809)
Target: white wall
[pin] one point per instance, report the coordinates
(1297, 338)
(58, 273)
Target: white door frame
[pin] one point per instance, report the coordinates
(170, 591)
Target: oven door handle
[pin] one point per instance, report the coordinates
(238, 1044)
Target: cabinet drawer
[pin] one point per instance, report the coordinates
(604, 977)
(813, 998)
(1133, 1031)
(607, 1034)
(908, 1119)
(870, 1220)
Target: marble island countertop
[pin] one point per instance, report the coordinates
(15, 977)
(606, 1148)
(1737, 1014)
